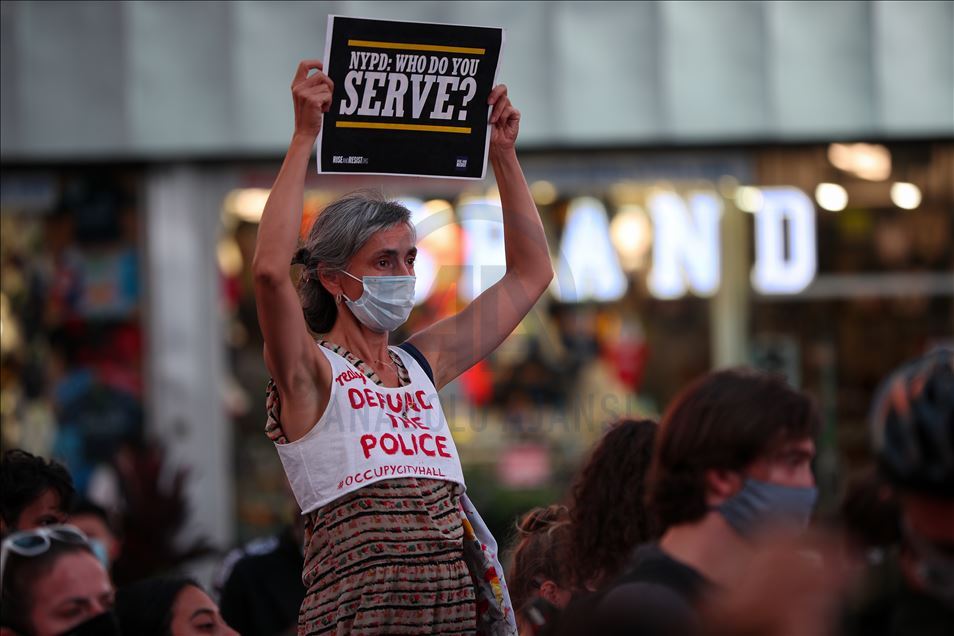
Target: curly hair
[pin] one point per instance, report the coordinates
(608, 511)
(542, 536)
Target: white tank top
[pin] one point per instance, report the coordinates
(369, 433)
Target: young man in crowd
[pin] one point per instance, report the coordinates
(732, 466)
(34, 492)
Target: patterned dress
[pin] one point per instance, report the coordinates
(387, 558)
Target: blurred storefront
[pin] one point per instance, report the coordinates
(72, 307)
(661, 259)
(828, 263)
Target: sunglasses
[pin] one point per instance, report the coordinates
(31, 543)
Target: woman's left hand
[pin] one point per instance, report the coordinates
(504, 119)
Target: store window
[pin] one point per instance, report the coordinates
(884, 288)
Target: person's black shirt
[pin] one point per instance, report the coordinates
(263, 592)
(656, 594)
(650, 564)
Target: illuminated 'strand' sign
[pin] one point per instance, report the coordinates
(686, 251)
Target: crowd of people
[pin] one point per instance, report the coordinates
(710, 529)
(700, 524)
(692, 525)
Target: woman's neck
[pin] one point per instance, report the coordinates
(369, 346)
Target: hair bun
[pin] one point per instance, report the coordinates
(540, 519)
(300, 257)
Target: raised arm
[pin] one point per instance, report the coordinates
(289, 349)
(455, 344)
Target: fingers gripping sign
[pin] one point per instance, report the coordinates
(312, 97)
(504, 119)
(409, 98)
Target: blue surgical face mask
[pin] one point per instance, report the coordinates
(385, 303)
(762, 503)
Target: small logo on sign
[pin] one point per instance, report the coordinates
(461, 163)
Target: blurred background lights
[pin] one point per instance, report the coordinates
(229, 255)
(627, 192)
(871, 162)
(9, 331)
(544, 192)
(632, 236)
(728, 185)
(748, 199)
(247, 203)
(831, 197)
(906, 196)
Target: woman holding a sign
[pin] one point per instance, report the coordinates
(392, 543)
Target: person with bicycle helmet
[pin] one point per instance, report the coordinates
(912, 436)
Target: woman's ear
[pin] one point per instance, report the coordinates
(329, 279)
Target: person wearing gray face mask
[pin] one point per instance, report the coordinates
(732, 468)
(733, 463)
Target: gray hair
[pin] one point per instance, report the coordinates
(340, 230)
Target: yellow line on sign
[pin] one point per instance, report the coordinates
(415, 47)
(415, 127)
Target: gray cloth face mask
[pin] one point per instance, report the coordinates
(762, 503)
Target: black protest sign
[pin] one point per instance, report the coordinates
(410, 98)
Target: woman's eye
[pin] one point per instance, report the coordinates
(383, 263)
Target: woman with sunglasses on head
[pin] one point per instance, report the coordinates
(357, 423)
(53, 585)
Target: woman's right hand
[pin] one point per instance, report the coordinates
(312, 97)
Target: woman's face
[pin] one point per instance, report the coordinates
(389, 252)
(195, 614)
(75, 590)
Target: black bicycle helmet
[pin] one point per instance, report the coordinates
(912, 425)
